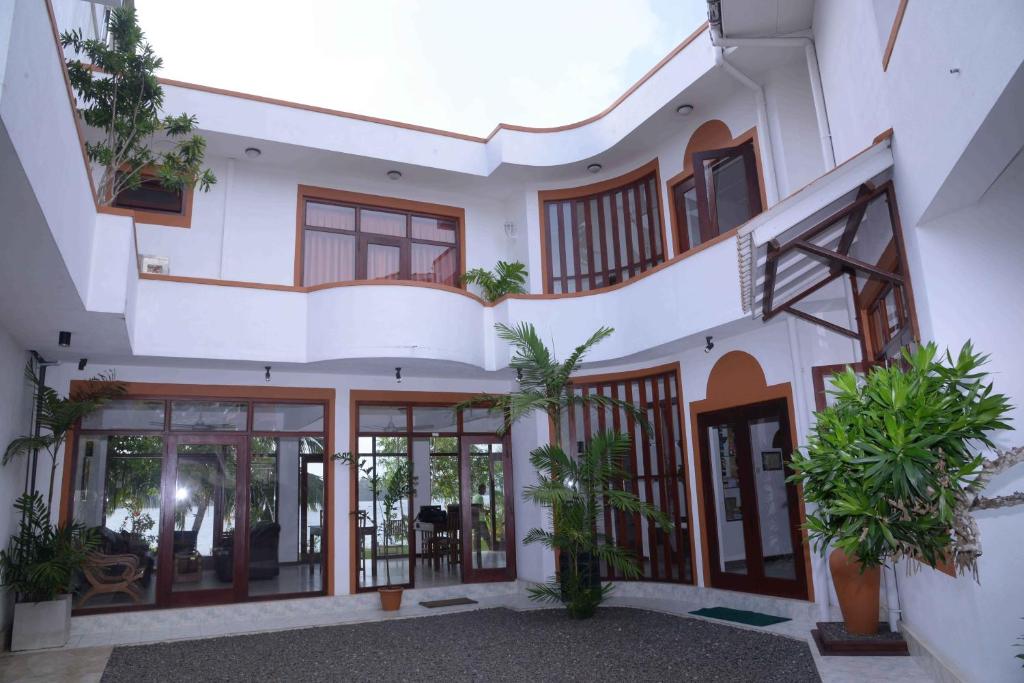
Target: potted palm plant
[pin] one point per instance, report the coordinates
(575, 488)
(507, 278)
(38, 567)
(887, 464)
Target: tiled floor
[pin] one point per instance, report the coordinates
(92, 637)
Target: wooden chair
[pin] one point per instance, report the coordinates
(396, 536)
(98, 571)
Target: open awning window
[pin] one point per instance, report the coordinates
(837, 239)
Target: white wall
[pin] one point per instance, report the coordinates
(15, 414)
(972, 267)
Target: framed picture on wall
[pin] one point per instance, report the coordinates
(733, 513)
(771, 460)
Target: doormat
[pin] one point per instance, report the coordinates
(739, 616)
(450, 602)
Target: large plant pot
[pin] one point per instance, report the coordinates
(39, 625)
(857, 592)
(390, 599)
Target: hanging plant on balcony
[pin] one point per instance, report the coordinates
(506, 278)
(122, 99)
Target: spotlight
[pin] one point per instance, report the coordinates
(253, 152)
(519, 375)
(82, 363)
(684, 109)
(394, 175)
(266, 375)
(64, 338)
(398, 375)
(709, 344)
(594, 168)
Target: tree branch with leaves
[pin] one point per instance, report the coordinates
(122, 98)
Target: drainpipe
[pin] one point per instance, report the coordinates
(817, 93)
(765, 136)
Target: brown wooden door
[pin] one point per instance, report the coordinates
(753, 520)
(488, 531)
(202, 552)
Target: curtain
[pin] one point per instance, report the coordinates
(329, 257)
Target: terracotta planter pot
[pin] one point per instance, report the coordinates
(390, 599)
(857, 592)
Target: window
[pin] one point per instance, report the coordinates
(343, 241)
(721, 194)
(653, 468)
(888, 324)
(150, 195)
(599, 239)
(152, 203)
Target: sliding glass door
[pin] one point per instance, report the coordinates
(486, 515)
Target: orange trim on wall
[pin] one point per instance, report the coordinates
(738, 380)
(308, 192)
(437, 131)
(240, 391)
(596, 188)
(891, 43)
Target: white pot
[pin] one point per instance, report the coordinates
(39, 625)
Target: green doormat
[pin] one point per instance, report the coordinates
(451, 602)
(739, 616)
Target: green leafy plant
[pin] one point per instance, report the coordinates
(507, 278)
(123, 99)
(577, 491)
(575, 488)
(41, 560)
(390, 486)
(890, 461)
(56, 415)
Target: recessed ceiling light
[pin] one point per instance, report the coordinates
(253, 152)
(684, 109)
(394, 175)
(594, 168)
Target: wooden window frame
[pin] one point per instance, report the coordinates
(664, 381)
(748, 145)
(170, 219)
(609, 237)
(253, 395)
(359, 201)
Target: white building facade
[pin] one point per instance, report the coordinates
(858, 188)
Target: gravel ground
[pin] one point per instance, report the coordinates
(619, 644)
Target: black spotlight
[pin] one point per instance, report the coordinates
(64, 338)
(709, 345)
(82, 362)
(266, 375)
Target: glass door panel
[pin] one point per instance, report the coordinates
(731, 536)
(117, 493)
(203, 549)
(485, 509)
(769, 472)
(383, 519)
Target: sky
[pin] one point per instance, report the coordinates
(458, 65)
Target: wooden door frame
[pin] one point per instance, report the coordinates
(470, 575)
(735, 380)
(165, 596)
(754, 581)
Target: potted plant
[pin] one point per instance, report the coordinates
(38, 567)
(887, 463)
(507, 278)
(390, 489)
(575, 488)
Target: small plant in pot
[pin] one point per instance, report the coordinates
(390, 489)
(886, 464)
(39, 567)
